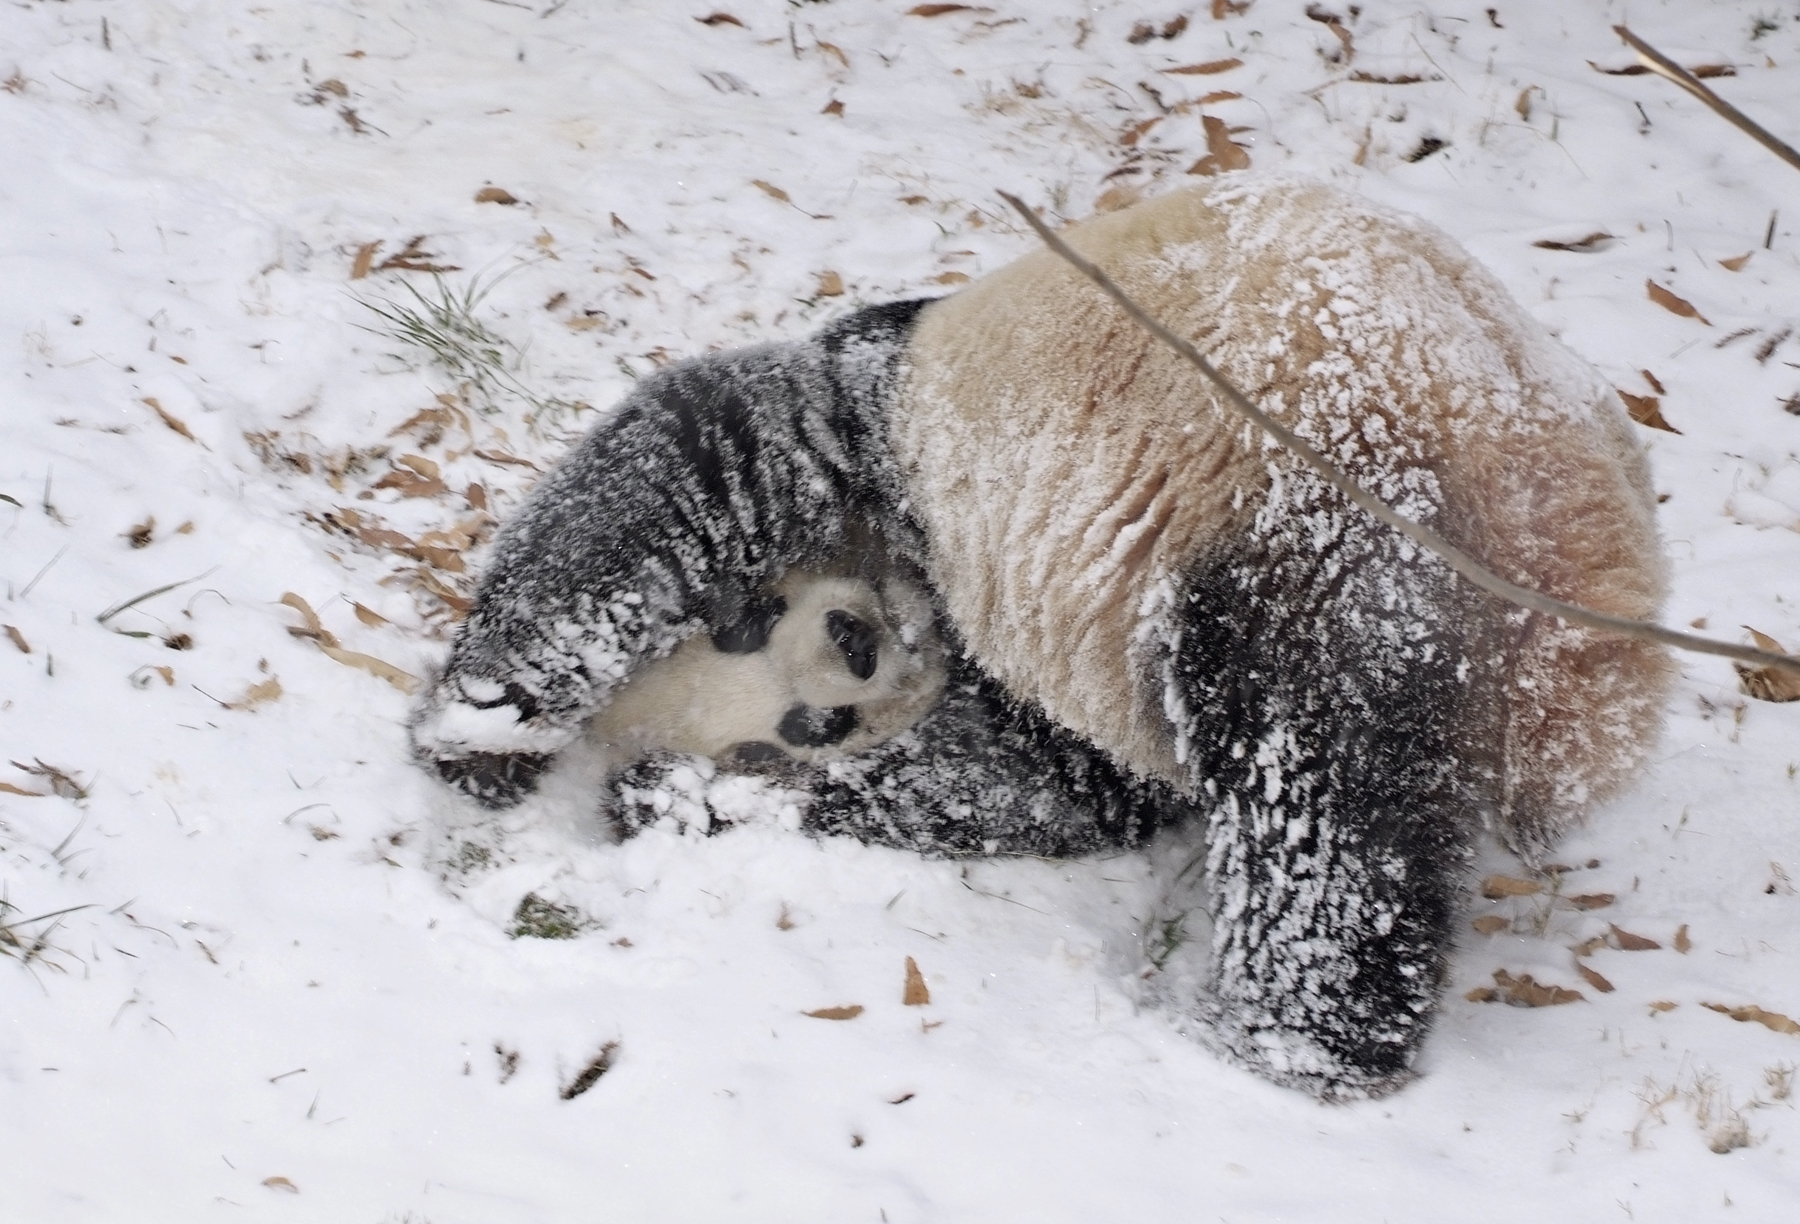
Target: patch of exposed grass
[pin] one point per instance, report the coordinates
(537, 918)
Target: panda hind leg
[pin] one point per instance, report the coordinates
(1326, 723)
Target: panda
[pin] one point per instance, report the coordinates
(1149, 614)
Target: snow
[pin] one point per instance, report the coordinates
(282, 969)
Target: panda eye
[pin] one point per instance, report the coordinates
(856, 639)
(750, 632)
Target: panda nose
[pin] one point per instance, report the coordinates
(856, 639)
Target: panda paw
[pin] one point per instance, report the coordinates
(494, 779)
(1312, 1063)
(688, 794)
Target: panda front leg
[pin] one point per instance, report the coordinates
(1326, 701)
(669, 517)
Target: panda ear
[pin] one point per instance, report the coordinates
(750, 632)
(856, 638)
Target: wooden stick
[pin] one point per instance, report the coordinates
(1456, 558)
(1663, 66)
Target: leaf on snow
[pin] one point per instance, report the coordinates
(18, 639)
(1646, 410)
(1209, 68)
(771, 190)
(1596, 241)
(1633, 943)
(848, 1012)
(916, 993)
(405, 681)
(1752, 1014)
(1523, 991)
(10, 789)
(281, 1183)
(1736, 262)
(1593, 978)
(1768, 683)
(938, 10)
(1491, 924)
(1674, 305)
(1223, 154)
(257, 694)
(172, 421)
(1683, 944)
(713, 19)
(1497, 886)
(495, 195)
(1590, 901)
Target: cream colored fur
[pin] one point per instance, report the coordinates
(702, 700)
(1066, 465)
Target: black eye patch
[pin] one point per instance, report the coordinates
(807, 726)
(750, 632)
(856, 639)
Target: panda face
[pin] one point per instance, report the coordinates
(818, 668)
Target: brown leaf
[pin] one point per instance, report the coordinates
(10, 789)
(312, 628)
(916, 992)
(1736, 262)
(369, 616)
(1523, 991)
(18, 639)
(1136, 131)
(1220, 95)
(1663, 1005)
(411, 484)
(1702, 72)
(1483, 994)
(257, 694)
(772, 190)
(937, 10)
(713, 19)
(833, 107)
(1405, 78)
(1646, 410)
(495, 195)
(1674, 305)
(385, 537)
(167, 673)
(1768, 683)
(1498, 886)
(951, 278)
(1220, 8)
(1683, 944)
(497, 456)
(365, 256)
(406, 682)
(1590, 901)
(1593, 978)
(1209, 68)
(853, 1010)
(281, 1183)
(421, 465)
(1774, 1021)
(476, 496)
(140, 533)
(1593, 242)
(173, 422)
(1491, 924)
(1654, 381)
(830, 285)
(1224, 154)
(1633, 943)
(1588, 947)
(459, 604)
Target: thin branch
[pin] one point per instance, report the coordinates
(1663, 66)
(1456, 558)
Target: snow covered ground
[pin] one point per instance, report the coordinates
(258, 966)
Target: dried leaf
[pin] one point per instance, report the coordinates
(173, 422)
(1220, 95)
(1674, 305)
(365, 257)
(281, 1183)
(951, 278)
(257, 694)
(1702, 72)
(1663, 1005)
(1405, 78)
(1523, 991)
(1633, 943)
(1209, 68)
(476, 496)
(1220, 8)
(312, 628)
(772, 190)
(406, 682)
(1483, 994)
(1596, 241)
(167, 673)
(1736, 262)
(497, 456)
(1498, 886)
(1646, 410)
(1774, 1021)
(18, 639)
(9, 789)
(1223, 153)
(1588, 947)
(1592, 978)
(1683, 944)
(1590, 901)
(849, 1012)
(411, 484)
(937, 10)
(1491, 924)
(1768, 683)
(833, 107)
(421, 465)
(830, 285)
(369, 616)
(495, 195)
(1654, 381)
(1136, 131)
(916, 992)
(713, 19)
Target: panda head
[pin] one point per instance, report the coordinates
(816, 668)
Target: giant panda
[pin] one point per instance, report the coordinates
(1150, 613)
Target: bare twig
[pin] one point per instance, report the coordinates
(1456, 558)
(1663, 66)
